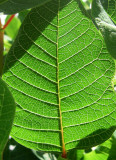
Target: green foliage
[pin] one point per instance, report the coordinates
(76, 154)
(2, 1)
(14, 26)
(112, 9)
(14, 6)
(7, 110)
(105, 25)
(15, 151)
(23, 14)
(12, 29)
(98, 11)
(100, 153)
(112, 152)
(60, 158)
(104, 151)
(60, 75)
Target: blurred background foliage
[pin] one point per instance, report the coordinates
(104, 151)
(15, 151)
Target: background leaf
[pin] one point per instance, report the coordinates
(76, 154)
(44, 155)
(23, 14)
(60, 74)
(112, 9)
(105, 25)
(15, 151)
(12, 29)
(7, 110)
(101, 152)
(15, 6)
(2, 1)
(112, 152)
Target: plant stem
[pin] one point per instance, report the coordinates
(1, 48)
(64, 154)
(9, 20)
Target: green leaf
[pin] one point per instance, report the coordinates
(2, 1)
(101, 152)
(95, 156)
(98, 11)
(15, 6)
(60, 158)
(23, 14)
(75, 154)
(7, 110)
(112, 153)
(105, 4)
(112, 9)
(15, 151)
(12, 29)
(105, 25)
(60, 74)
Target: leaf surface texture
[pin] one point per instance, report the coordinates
(15, 6)
(7, 111)
(112, 9)
(60, 74)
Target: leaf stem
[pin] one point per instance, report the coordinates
(64, 155)
(9, 20)
(1, 48)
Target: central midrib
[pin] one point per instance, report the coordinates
(59, 100)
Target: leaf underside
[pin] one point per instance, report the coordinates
(7, 111)
(60, 74)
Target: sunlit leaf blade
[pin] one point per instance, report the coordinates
(112, 9)
(7, 110)
(96, 156)
(15, 6)
(60, 74)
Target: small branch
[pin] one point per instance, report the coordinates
(9, 20)
(1, 48)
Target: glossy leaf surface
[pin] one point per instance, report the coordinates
(7, 110)
(15, 6)
(60, 74)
